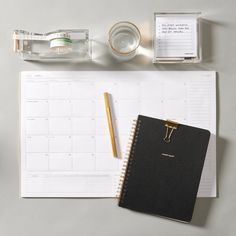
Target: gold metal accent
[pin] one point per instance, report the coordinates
(110, 125)
(170, 127)
(124, 170)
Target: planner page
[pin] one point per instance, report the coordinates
(176, 36)
(65, 143)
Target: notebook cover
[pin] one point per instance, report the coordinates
(163, 178)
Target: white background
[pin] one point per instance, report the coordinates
(60, 217)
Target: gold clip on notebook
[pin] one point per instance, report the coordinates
(170, 127)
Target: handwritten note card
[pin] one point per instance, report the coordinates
(176, 36)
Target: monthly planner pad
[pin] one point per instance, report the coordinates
(65, 143)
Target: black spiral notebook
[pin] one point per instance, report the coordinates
(163, 168)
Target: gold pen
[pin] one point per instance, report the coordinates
(110, 124)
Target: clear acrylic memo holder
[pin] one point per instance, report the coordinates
(56, 45)
(177, 38)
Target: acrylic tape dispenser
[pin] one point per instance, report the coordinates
(56, 45)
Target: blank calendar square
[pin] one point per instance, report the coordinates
(37, 91)
(37, 143)
(37, 161)
(60, 144)
(37, 108)
(82, 90)
(60, 126)
(60, 161)
(59, 90)
(128, 108)
(83, 143)
(83, 126)
(60, 108)
(83, 108)
(37, 126)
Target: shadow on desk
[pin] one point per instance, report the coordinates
(203, 205)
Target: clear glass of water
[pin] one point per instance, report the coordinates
(124, 40)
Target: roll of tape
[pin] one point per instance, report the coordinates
(61, 39)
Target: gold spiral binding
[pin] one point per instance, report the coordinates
(125, 171)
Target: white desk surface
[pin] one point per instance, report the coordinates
(49, 217)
